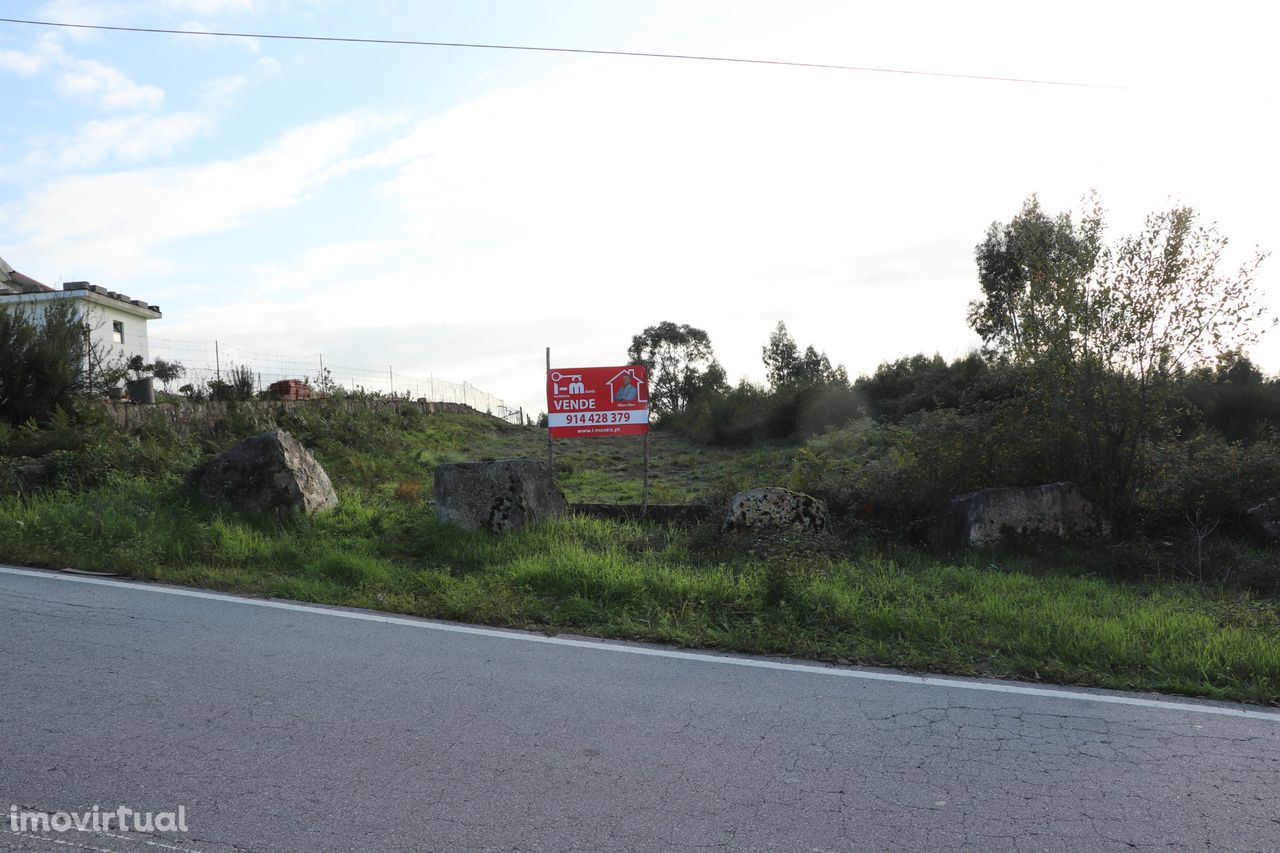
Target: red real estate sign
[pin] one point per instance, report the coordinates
(589, 402)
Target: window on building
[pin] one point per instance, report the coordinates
(117, 332)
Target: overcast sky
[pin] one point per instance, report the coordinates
(453, 212)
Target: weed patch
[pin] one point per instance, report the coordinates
(1063, 616)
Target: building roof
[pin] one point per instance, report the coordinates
(14, 283)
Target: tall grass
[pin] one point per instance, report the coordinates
(1032, 619)
(120, 503)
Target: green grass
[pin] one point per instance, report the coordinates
(1053, 617)
(378, 452)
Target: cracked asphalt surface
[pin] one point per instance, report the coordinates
(282, 730)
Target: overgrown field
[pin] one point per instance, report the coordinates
(120, 503)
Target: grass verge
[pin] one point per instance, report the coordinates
(1038, 618)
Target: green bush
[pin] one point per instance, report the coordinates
(239, 387)
(1210, 476)
(42, 361)
(920, 383)
(898, 475)
(1231, 397)
(749, 413)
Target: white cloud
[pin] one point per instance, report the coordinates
(612, 196)
(117, 223)
(209, 8)
(223, 88)
(106, 86)
(117, 11)
(89, 80)
(324, 267)
(192, 29)
(577, 209)
(128, 139)
(80, 12)
(20, 62)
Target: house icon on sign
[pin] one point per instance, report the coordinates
(626, 387)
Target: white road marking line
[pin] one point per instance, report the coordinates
(137, 839)
(604, 646)
(99, 833)
(74, 844)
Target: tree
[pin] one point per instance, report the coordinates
(922, 383)
(680, 362)
(1032, 271)
(1104, 332)
(42, 361)
(167, 372)
(781, 356)
(1236, 367)
(785, 365)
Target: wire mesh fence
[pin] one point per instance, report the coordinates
(204, 362)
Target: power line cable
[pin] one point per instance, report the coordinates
(576, 50)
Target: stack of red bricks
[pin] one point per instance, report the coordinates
(289, 389)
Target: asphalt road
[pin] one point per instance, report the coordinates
(285, 727)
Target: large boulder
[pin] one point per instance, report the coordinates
(18, 475)
(772, 508)
(1264, 520)
(497, 496)
(1056, 510)
(271, 472)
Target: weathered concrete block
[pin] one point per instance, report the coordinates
(497, 496)
(772, 508)
(271, 472)
(1264, 520)
(978, 519)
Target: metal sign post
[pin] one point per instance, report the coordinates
(644, 493)
(550, 463)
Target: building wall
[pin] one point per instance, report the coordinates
(100, 318)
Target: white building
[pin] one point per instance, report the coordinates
(118, 324)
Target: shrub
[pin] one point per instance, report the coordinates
(1208, 475)
(920, 383)
(1241, 409)
(238, 388)
(749, 413)
(42, 361)
(899, 475)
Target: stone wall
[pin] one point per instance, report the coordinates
(129, 416)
